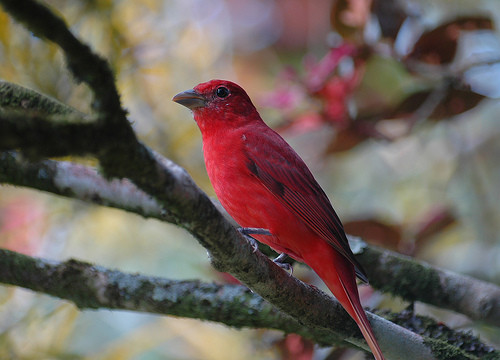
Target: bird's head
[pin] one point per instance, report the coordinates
(218, 101)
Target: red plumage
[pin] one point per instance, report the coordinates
(262, 183)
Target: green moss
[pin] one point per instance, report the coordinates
(446, 343)
(13, 96)
(444, 351)
(402, 276)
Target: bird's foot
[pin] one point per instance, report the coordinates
(280, 261)
(253, 231)
(247, 232)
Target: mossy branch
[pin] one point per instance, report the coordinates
(95, 287)
(418, 281)
(390, 272)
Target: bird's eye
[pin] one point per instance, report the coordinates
(222, 92)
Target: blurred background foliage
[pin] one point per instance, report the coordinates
(393, 105)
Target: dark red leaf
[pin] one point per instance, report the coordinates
(345, 139)
(438, 46)
(409, 105)
(434, 222)
(375, 231)
(456, 101)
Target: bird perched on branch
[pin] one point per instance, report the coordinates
(268, 189)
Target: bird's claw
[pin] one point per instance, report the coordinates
(280, 261)
(247, 232)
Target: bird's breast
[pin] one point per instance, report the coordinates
(231, 179)
(247, 200)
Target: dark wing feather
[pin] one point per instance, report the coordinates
(282, 171)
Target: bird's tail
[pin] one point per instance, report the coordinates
(359, 315)
(341, 280)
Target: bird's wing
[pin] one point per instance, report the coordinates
(287, 177)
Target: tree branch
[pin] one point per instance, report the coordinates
(93, 287)
(399, 275)
(77, 181)
(418, 281)
(85, 65)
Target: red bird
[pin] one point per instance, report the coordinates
(264, 185)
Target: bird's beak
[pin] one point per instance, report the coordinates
(190, 99)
